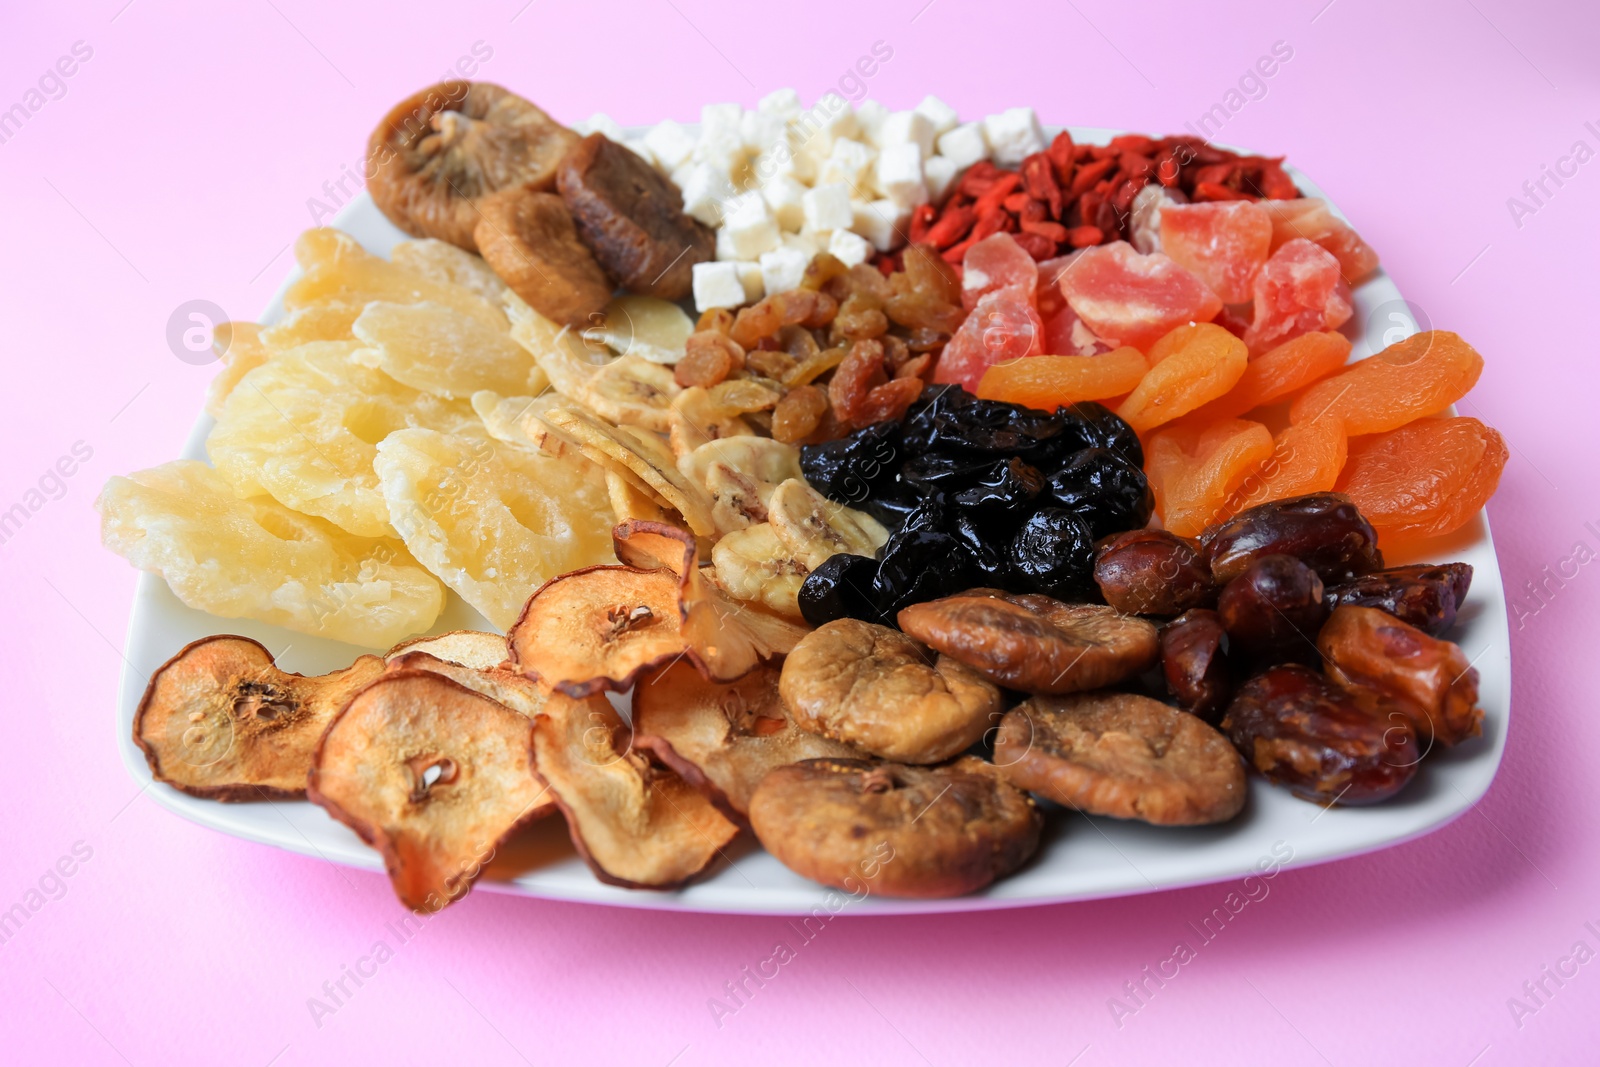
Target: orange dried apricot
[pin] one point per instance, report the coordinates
(1306, 458)
(1424, 479)
(1278, 372)
(1421, 375)
(1195, 471)
(1200, 365)
(1050, 382)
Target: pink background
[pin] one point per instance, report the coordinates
(178, 165)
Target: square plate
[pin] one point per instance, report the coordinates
(1081, 857)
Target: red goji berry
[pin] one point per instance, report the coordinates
(952, 225)
(1062, 153)
(921, 219)
(1014, 203)
(1089, 174)
(992, 223)
(1133, 142)
(1084, 236)
(978, 178)
(1004, 185)
(1039, 179)
(1212, 191)
(1053, 230)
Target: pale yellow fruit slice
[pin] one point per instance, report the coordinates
(626, 390)
(645, 326)
(338, 268)
(740, 474)
(640, 455)
(239, 349)
(439, 350)
(516, 420)
(811, 527)
(752, 564)
(443, 262)
(305, 426)
(256, 559)
(493, 521)
(325, 320)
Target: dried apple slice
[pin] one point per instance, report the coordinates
(598, 628)
(470, 648)
(723, 738)
(501, 685)
(220, 720)
(636, 822)
(432, 775)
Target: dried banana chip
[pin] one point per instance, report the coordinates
(239, 348)
(752, 564)
(812, 527)
(627, 390)
(515, 420)
(256, 559)
(494, 522)
(598, 629)
(338, 268)
(439, 350)
(642, 455)
(740, 474)
(643, 326)
(628, 502)
(697, 420)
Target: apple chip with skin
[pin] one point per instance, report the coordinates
(433, 775)
(220, 720)
(499, 684)
(636, 822)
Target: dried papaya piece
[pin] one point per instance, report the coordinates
(1196, 470)
(1425, 479)
(1051, 382)
(1424, 374)
(1200, 364)
(1278, 372)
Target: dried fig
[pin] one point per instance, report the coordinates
(895, 830)
(1322, 530)
(1122, 755)
(1033, 643)
(1429, 680)
(219, 720)
(432, 775)
(633, 218)
(1152, 572)
(872, 686)
(530, 241)
(723, 738)
(1427, 596)
(439, 153)
(1194, 664)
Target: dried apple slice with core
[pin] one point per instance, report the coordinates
(598, 628)
(636, 822)
(220, 720)
(432, 775)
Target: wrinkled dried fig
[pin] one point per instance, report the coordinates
(219, 720)
(1122, 755)
(895, 830)
(530, 241)
(1369, 651)
(439, 153)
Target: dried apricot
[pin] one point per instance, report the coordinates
(1278, 372)
(1425, 479)
(1422, 375)
(1195, 470)
(1306, 458)
(1050, 382)
(1206, 363)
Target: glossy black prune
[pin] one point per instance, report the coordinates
(984, 552)
(918, 565)
(1003, 495)
(945, 471)
(1426, 596)
(1273, 610)
(854, 467)
(1106, 491)
(1054, 552)
(947, 417)
(1322, 530)
(839, 589)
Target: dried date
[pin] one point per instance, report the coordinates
(1272, 611)
(1152, 572)
(1426, 596)
(1195, 665)
(1322, 530)
(1377, 657)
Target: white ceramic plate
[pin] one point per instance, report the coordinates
(1082, 857)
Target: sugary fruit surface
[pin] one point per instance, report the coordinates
(1131, 299)
(305, 426)
(438, 350)
(338, 268)
(1197, 472)
(493, 521)
(997, 262)
(1049, 382)
(1422, 375)
(1278, 372)
(323, 320)
(256, 559)
(1223, 243)
(1424, 479)
(1298, 290)
(1002, 327)
(239, 349)
(1201, 363)
(442, 262)
(1311, 219)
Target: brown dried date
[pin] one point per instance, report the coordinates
(1301, 731)
(1195, 666)
(1272, 610)
(1322, 530)
(1375, 656)
(1426, 596)
(1152, 572)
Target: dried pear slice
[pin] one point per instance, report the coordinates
(438, 153)
(500, 685)
(645, 326)
(723, 738)
(220, 720)
(598, 628)
(442, 262)
(637, 823)
(641, 454)
(752, 564)
(432, 775)
(469, 648)
(338, 269)
(239, 348)
(813, 528)
(438, 350)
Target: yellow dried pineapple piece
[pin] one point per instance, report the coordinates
(443, 262)
(305, 426)
(256, 559)
(325, 320)
(493, 521)
(239, 348)
(440, 350)
(338, 268)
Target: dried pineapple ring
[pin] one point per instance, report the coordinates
(239, 347)
(812, 527)
(752, 564)
(304, 428)
(645, 326)
(515, 420)
(494, 522)
(641, 454)
(741, 474)
(256, 559)
(442, 262)
(337, 268)
(438, 350)
(325, 320)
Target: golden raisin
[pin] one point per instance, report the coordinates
(860, 373)
(798, 413)
(709, 359)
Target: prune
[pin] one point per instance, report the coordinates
(919, 565)
(1426, 596)
(1087, 424)
(949, 417)
(1194, 664)
(1372, 654)
(839, 589)
(851, 468)
(1273, 610)
(1301, 731)
(1054, 551)
(986, 559)
(1003, 494)
(1322, 530)
(1152, 572)
(892, 506)
(1106, 491)
(945, 471)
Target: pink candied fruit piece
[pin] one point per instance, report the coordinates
(994, 263)
(1312, 219)
(1130, 299)
(1299, 291)
(1001, 328)
(1223, 243)
(1066, 335)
